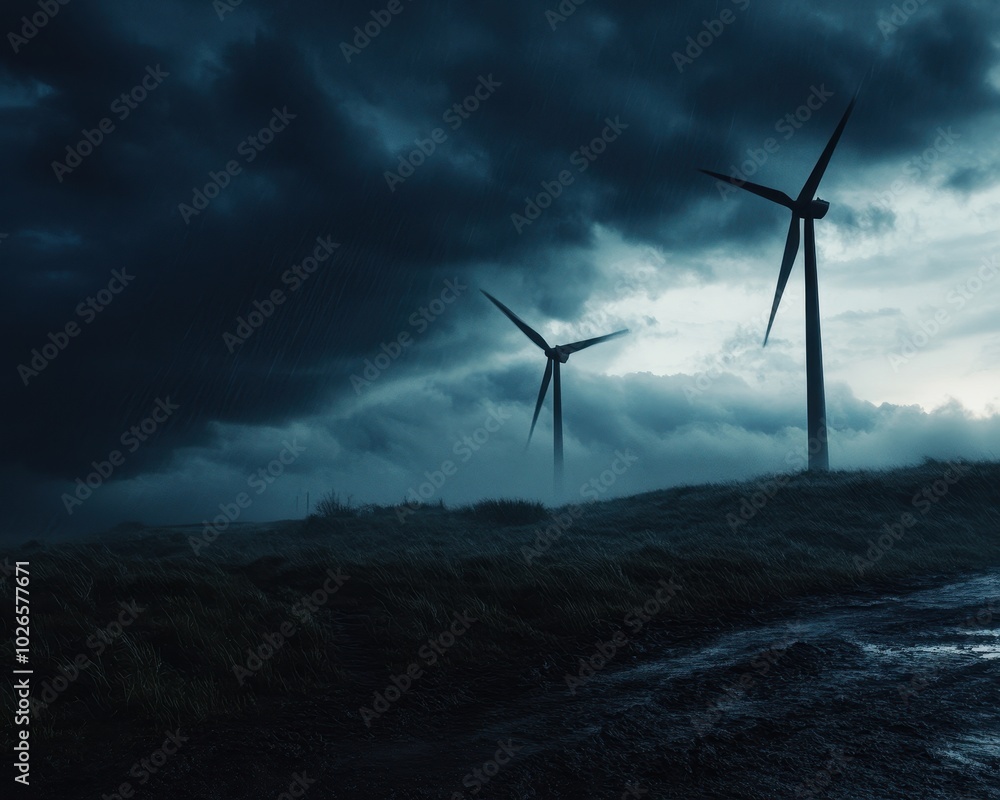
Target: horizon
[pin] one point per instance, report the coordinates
(597, 490)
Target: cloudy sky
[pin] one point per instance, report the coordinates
(172, 168)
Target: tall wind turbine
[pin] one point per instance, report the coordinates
(554, 357)
(806, 209)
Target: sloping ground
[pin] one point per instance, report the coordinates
(668, 571)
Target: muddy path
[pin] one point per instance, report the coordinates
(868, 696)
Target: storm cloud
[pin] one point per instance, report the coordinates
(277, 217)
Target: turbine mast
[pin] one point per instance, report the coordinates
(557, 432)
(819, 457)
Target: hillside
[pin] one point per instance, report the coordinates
(388, 617)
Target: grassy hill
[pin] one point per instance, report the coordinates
(148, 628)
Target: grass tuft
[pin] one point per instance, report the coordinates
(505, 511)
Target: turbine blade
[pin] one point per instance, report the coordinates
(773, 195)
(541, 397)
(577, 346)
(530, 332)
(791, 250)
(812, 185)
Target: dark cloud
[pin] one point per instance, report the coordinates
(323, 176)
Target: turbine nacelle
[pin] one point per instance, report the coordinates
(817, 209)
(557, 354)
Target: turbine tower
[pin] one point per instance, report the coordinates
(807, 208)
(554, 357)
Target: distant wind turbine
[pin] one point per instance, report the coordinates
(807, 209)
(554, 357)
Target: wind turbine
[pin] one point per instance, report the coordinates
(807, 208)
(554, 357)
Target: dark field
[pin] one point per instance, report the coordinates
(654, 647)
